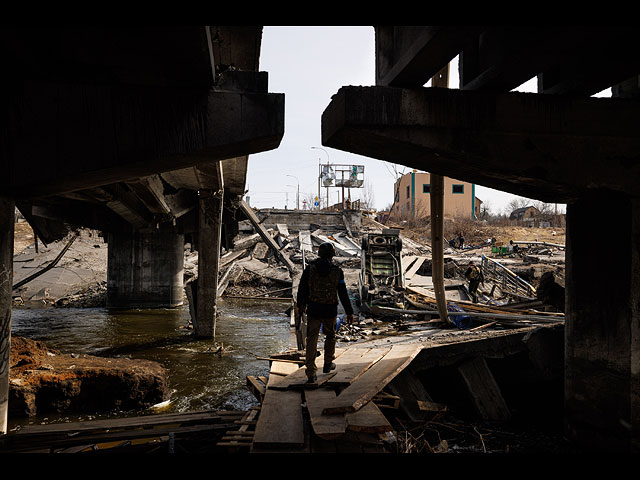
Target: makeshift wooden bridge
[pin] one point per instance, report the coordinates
(339, 406)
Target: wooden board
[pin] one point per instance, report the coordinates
(283, 368)
(411, 391)
(368, 419)
(298, 379)
(407, 261)
(414, 268)
(266, 237)
(210, 416)
(280, 423)
(484, 390)
(327, 427)
(354, 362)
(256, 387)
(374, 379)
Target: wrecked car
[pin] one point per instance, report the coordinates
(381, 281)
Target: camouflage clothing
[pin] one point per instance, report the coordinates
(321, 287)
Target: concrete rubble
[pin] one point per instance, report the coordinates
(258, 270)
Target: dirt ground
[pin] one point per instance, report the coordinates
(478, 233)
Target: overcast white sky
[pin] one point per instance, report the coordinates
(309, 64)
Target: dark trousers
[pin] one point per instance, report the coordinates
(328, 325)
(473, 290)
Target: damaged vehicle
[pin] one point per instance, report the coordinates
(381, 280)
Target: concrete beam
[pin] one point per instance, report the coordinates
(63, 138)
(410, 56)
(569, 59)
(526, 144)
(160, 56)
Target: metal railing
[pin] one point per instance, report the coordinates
(507, 280)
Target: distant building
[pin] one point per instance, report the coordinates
(412, 197)
(525, 214)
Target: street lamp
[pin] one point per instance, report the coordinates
(298, 191)
(320, 174)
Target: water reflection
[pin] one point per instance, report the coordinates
(198, 377)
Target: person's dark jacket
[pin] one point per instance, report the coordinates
(325, 270)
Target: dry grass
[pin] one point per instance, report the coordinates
(477, 232)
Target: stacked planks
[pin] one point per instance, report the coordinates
(338, 402)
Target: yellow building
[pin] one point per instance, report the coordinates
(412, 197)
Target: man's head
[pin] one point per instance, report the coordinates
(470, 263)
(326, 250)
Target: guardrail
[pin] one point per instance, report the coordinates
(507, 280)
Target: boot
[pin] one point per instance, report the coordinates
(328, 368)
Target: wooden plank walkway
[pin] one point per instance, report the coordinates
(338, 404)
(374, 379)
(146, 433)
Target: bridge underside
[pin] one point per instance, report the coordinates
(141, 132)
(558, 145)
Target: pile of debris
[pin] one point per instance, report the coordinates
(389, 278)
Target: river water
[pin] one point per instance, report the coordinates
(198, 378)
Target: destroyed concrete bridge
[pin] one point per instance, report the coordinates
(138, 131)
(559, 145)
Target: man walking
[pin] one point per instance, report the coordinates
(474, 275)
(321, 285)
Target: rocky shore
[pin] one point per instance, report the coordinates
(44, 381)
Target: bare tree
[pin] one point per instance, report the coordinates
(485, 210)
(367, 197)
(545, 209)
(516, 203)
(394, 170)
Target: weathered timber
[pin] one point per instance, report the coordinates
(386, 400)
(298, 379)
(368, 419)
(411, 391)
(231, 256)
(280, 423)
(414, 268)
(228, 276)
(242, 437)
(437, 243)
(354, 362)
(268, 239)
(374, 379)
(188, 418)
(327, 427)
(256, 387)
(431, 407)
(282, 368)
(79, 435)
(407, 261)
(484, 390)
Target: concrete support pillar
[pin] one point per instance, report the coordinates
(7, 209)
(602, 331)
(145, 270)
(209, 237)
